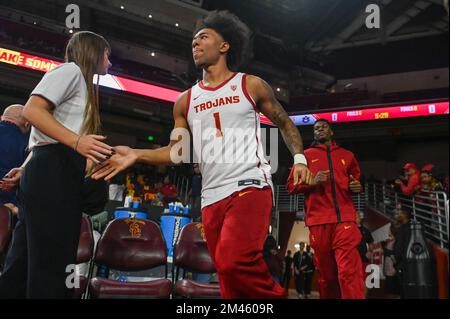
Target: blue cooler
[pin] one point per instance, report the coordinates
(130, 212)
(171, 225)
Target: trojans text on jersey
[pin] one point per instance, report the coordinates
(216, 103)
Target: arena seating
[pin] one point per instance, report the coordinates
(85, 253)
(191, 254)
(131, 245)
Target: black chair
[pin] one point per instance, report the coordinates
(85, 253)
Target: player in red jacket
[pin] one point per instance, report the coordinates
(331, 215)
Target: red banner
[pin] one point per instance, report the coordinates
(26, 60)
(111, 81)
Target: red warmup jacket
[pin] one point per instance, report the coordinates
(413, 185)
(169, 190)
(330, 202)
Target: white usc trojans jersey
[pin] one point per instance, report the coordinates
(225, 126)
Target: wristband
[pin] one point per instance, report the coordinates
(300, 159)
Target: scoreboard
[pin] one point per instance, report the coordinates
(169, 95)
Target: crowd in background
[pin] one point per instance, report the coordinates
(395, 252)
(413, 181)
(156, 186)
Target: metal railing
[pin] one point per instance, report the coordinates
(296, 203)
(429, 208)
(284, 202)
(182, 183)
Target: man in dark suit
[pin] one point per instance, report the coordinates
(300, 265)
(309, 272)
(287, 271)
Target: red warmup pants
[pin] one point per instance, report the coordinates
(236, 229)
(337, 260)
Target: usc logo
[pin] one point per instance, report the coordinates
(202, 230)
(134, 226)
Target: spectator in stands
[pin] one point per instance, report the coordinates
(430, 178)
(168, 189)
(13, 150)
(410, 184)
(445, 184)
(195, 194)
(273, 258)
(309, 271)
(403, 218)
(366, 244)
(287, 271)
(426, 200)
(392, 285)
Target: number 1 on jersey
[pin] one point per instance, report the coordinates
(218, 124)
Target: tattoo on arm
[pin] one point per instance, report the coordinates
(271, 108)
(289, 131)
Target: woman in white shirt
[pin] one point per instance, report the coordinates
(64, 112)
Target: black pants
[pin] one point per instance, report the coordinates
(308, 283)
(300, 283)
(45, 240)
(286, 279)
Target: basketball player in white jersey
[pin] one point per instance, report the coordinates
(236, 195)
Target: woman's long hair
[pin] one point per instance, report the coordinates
(86, 49)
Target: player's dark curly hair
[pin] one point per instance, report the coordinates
(235, 32)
